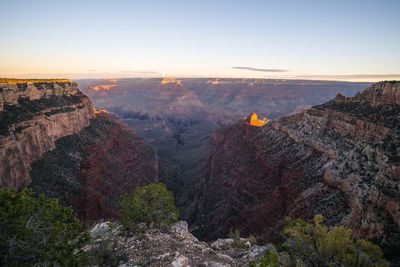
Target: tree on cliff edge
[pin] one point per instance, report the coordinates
(37, 231)
(152, 205)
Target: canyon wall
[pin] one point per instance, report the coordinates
(90, 170)
(340, 159)
(33, 116)
(52, 141)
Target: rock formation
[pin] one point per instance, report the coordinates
(340, 159)
(52, 140)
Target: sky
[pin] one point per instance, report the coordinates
(299, 39)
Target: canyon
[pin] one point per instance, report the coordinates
(315, 153)
(178, 116)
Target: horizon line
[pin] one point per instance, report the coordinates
(192, 77)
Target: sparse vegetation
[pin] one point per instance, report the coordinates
(104, 251)
(237, 242)
(270, 259)
(149, 206)
(317, 245)
(37, 231)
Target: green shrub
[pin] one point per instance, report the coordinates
(35, 230)
(270, 259)
(151, 205)
(317, 245)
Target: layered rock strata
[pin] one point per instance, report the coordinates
(340, 159)
(32, 117)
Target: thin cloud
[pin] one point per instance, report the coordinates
(259, 69)
(353, 76)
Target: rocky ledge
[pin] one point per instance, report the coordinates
(175, 247)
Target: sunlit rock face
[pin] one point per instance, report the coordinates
(33, 117)
(253, 120)
(171, 80)
(340, 159)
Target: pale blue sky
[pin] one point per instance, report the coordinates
(347, 40)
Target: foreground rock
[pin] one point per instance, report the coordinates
(177, 248)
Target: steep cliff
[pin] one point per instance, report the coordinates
(32, 117)
(52, 140)
(340, 159)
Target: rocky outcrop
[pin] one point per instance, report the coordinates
(176, 248)
(381, 94)
(32, 117)
(340, 159)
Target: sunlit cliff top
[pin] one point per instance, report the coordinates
(100, 111)
(253, 120)
(171, 80)
(15, 81)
